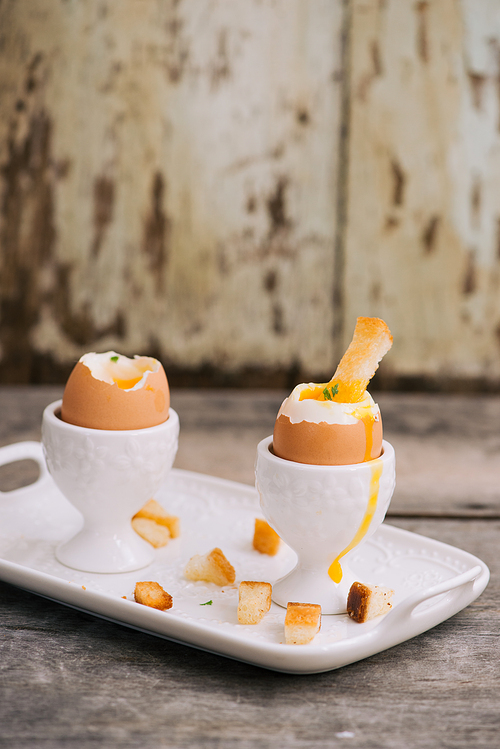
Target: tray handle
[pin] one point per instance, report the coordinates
(24, 451)
(458, 587)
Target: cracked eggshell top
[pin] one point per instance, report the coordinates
(327, 433)
(110, 391)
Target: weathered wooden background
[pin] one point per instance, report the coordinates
(228, 185)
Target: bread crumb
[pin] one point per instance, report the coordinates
(83, 587)
(211, 568)
(265, 539)
(156, 535)
(302, 622)
(152, 510)
(152, 594)
(365, 602)
(254, 601)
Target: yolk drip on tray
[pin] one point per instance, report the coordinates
(335, 570)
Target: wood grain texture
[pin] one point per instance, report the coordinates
(167, 182)
(447, 447)
(70, 679)
(421, 246)
(228, 186)
(89, 681)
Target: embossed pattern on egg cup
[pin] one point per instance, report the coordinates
(319, 511)
(108, 476)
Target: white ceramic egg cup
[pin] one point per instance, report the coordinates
(108, 476)
(318, 511)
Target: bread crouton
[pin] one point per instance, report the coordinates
(156, 535)
(152, 594)
(211, 568)
(365, 602)
(265, 539)
(254, 601)
(152, 510)
(302, 622)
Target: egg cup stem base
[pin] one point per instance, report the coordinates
(100, 552)
(314, 585)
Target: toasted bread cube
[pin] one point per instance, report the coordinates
(265, 539)
(152, 510)
(254, 601)
(156, 535)
(302, 622)
(211, 568)
(365, 602)
(152, 594)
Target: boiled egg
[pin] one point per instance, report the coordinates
(312, 429)
(112, 391)
(338, 422)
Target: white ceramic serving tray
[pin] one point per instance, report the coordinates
(432, 581)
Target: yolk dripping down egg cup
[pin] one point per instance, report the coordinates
(108, 474)
(323, 512)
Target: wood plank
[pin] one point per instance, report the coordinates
(21, 410)
(447, 447)
(179, 189)
(421, 249)
(88, 681)
(169, 171)
(447, 454)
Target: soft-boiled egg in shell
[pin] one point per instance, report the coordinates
(112, 391)
(327, 432)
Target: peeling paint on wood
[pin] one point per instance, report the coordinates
(156, 232)
(229, 185)
(470, 277)
(276, 207)
(422, 8)
(27, 234)
(182, 164)
(104, 197)
(429, 236)
(425, 229)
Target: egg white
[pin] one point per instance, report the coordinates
(329, 412)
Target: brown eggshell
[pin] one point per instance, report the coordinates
(92, 403)
(325, 444)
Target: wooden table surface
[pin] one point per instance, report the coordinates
(70, 679)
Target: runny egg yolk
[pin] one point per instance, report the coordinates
(335, 570)
(342, 393)
(120, 370)
(364, 414)
(335, 390)
(127, 384)
(351, 394)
